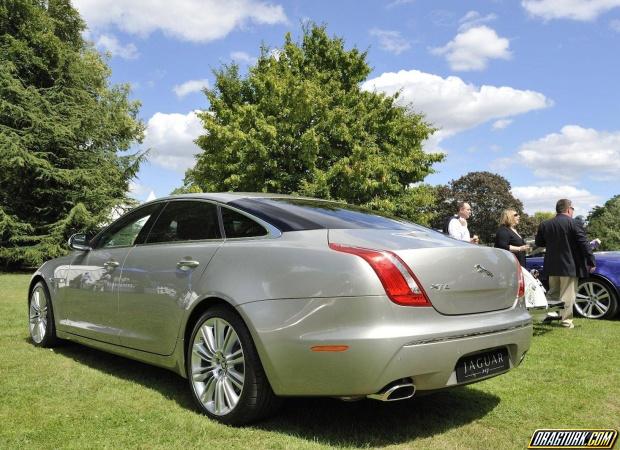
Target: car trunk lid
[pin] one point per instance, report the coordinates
(458, 278)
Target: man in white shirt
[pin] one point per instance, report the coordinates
(457, 228)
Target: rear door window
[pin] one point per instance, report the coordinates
(185, 221)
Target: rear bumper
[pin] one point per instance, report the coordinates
(385, 342)
(432, 365)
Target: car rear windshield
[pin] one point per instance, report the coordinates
(289, 214)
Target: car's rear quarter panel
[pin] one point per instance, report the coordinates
(296, 265)
(386, 342)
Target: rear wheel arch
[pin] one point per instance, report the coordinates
(256, 398)
(200, 308)
(197, 312)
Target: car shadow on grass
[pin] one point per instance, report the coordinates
(540, 329)
(169, 384)
(364, 423)
(369, 423)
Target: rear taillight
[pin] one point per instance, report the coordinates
(520, 279)
(399, 282)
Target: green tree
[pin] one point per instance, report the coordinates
(188, 189)
(529, 224)
(487, 193)
(604, 224)
(62, 126)
(299, 123)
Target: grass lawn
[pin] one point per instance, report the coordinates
(76, 397)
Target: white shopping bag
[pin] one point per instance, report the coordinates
(534, 291)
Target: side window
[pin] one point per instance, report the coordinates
(185, 221)
(238, 226)
(124, 232)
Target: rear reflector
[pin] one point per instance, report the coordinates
(330, 348)
(399, 282)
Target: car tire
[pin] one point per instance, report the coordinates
(596, 299)
(224, 371)
(41, 317)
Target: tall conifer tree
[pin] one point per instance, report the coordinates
(62, 130)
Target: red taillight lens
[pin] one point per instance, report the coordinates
(520, 279)
(399, 282)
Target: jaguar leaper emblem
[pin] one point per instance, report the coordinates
(481, 269)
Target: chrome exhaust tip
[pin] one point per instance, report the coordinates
(397, 390)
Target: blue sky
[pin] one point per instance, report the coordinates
(527, 89)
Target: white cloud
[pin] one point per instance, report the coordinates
(390, 41)
(543, 198)
(189, 20)
(471, 49)
(575, 152)
(615, 25)
(399, 2)
(473, 18)
(109, 43)
(171, 139)
(583, 10)
(243, 57)
(501, 124)
(181, 90)
(138, 190)
(453, 105)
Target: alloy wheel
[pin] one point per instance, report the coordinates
(217, 366)
(593, 300)
(38, 315)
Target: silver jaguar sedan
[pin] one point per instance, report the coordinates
(254, 297)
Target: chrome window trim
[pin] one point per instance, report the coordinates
(195, 241)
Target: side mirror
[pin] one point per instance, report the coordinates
(79, 242)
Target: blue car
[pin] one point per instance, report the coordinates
(598, 295)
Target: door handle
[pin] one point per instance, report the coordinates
(111, 264)
(187, 264)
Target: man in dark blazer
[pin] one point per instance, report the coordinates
(568, 256)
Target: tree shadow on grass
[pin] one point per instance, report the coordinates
(329, 421)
